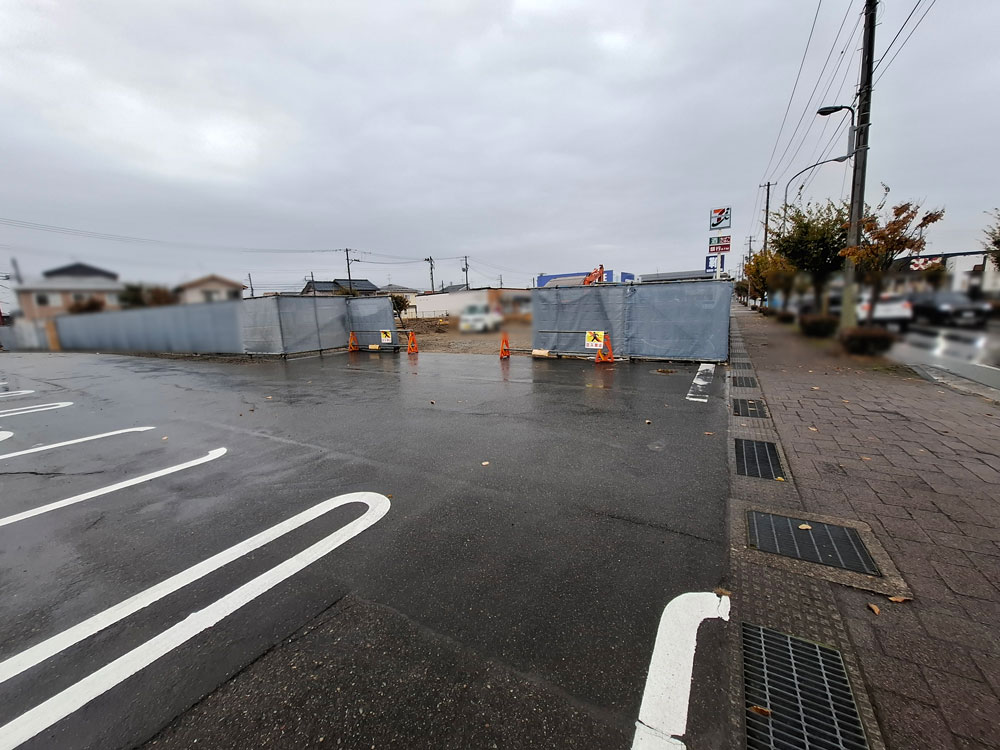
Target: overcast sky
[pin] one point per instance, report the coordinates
(534, 135)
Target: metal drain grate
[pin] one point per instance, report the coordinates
(797, 695)
(756, 458)
(748, 407)
(823, 543)
(742, 381)
(740, 365)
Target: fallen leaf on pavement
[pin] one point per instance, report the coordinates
(900, 599)
(779, 479)
(664, 371)
(874, 608)
(804, 526)
(432, 402)
(813, 429)
(164, 438)
(865, 458)
(814, 388)
(722, 592)
(709, 433)
(486, 463)
(649, 421)
(269, 397)
(389, 496)
(761, 710)
(845, 400)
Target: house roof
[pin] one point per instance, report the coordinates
(211, 279)
(71, 284)
(455, 288)
(396, 288)
(80, 269)
(337, 285)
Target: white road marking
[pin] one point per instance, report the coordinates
(48, 648)
(4, 435)
(64, 703)
(74, 442)
(702, 379)
(210, 456)
(8, 394)
(664, 709)
(31, 409)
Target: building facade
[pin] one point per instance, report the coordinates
(66, 289)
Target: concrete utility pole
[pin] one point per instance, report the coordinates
(319, 340)
(430, 260)
(767, 210)
(250, 279)
(466, 269)
(350, 283)
(848, 311)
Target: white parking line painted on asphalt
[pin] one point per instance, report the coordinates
(32, 409)
(74, 442)
(664, 709)
(61, 705)
(50, 647)
(5, 434)
(702, 379)
(8, 394)
(210, 456)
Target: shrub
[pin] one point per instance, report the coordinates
(818, 326)
(767, 311)
(785, 316)
(867, 340)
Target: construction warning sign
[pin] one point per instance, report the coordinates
(386, 337)
(595, 340)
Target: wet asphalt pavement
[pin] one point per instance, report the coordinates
(508, 605)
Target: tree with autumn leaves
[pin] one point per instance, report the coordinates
(992, 242)
(887, 236)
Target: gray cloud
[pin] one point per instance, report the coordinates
(533, 136)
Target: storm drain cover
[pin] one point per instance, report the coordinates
(797, 694)
(740, 365)
(748, 407)
(823, 543)
(756, 458)
(742, 381)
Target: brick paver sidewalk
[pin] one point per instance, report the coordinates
(921, 466)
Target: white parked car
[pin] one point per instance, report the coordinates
(892, 309)
(479, 318)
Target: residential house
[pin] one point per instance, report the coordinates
(210, 288)
(60, 289)
(360, 287)
(409, 293)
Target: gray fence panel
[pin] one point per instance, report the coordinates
(261, 327)
(333, 325)
(206, 328)
(679, 320)
(311, 323)
(597, 308)
(24, 335)
(676, 320)
(371, 314)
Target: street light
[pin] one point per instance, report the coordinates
(832, 110)
(788, 184)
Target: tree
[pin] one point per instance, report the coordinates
(887, 237)
(742, 289)
(764, 268)
(400, 304)
(139, 295)
(811, 238)
(992, 242)
(781, 277)
(159, 295)
(91, 304)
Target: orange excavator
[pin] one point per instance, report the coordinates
(594, 276)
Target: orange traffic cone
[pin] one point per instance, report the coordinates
(352, 344)
(411, 344)
(601, 356)
(504, 347)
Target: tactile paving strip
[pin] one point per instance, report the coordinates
(797, 695)
(823, 543)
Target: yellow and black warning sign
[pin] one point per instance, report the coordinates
(595, 340)
(386, 337)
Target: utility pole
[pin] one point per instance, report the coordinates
(767, 210)
(466, 269)
(430, 260)
(250, 279)
(347, 254)
(501, 281)
(319, 341)
(848, 311)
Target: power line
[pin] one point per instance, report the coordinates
(900, 31)
(915, 26)
(806, 108)
(794, 87)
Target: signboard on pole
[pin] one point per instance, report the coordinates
(721, 218)
(594, 340)
(720, 244)
(386, 337)
(715, 263)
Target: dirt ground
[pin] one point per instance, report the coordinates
(442, 336)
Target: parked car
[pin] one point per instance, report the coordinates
(891, 310)
(950, 308)
(479, 318)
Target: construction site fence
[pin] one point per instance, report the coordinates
(684, 320)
